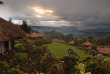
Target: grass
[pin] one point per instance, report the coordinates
(59, 50)
(21, 55)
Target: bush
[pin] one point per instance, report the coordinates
(4, 67)
(99, 65)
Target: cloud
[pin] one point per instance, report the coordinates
(82, 14)
(54, 23)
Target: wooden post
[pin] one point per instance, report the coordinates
(10, 45)
(2, 48)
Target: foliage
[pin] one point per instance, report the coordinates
(69, 62)
(13, 71)
(3, 67)
(79, 41)
(10, 19)
(82, 68)
(40, 42)
(94, 47)
(25, 27)
(38, 58)
(21, 55)
(58, 35)
(92, 52)
(25, 45)
(98, 65)
(1, 2)
(103, 41)
(68, 37)
(32, 56)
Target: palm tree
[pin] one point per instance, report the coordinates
(1, 2)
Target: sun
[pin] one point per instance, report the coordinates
(39, 10)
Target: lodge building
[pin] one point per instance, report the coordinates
(9, 32)
(35, 35)
(71, 42)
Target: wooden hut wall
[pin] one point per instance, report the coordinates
(10, 45)
(2, 47)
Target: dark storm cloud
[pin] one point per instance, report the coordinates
(83, 14)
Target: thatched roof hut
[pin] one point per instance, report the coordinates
(87, 43)
(27, 35)
(9, 31)
(71, 42)
(35, 35)
(62, 41)
(105, 50)
(40, 35)
(58, 40)
(55, 40)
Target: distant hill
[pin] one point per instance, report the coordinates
(99, 32)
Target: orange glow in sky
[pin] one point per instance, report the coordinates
(42, 11)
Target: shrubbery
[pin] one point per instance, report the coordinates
(40, 60)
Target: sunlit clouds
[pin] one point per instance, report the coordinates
(44, 17)
(47, 17)
(39, 16)
(55, 23)
(82, 14)
(42, 13)
(40, 10)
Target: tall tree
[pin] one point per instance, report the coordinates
(1, 2)
(10, 19)
(25, 27)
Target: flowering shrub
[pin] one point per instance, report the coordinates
(98, 65)
(70, 60)
(99, 57)
(92, 52)
(72, 52)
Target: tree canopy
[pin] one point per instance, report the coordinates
(25, 27)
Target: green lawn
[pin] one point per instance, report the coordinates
(59, 50)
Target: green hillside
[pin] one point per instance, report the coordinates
(59, 50)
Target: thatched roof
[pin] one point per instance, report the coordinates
(105, 50)
(9, 31)
(62, 41)
(87, 43)
(58, 40)
(90, 48)
(35, 35)
(71, 42)
(40, 35)
(27, 35)
(55, 40)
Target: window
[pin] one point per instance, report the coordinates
(6, 45)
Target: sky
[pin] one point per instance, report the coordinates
(82, 14)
